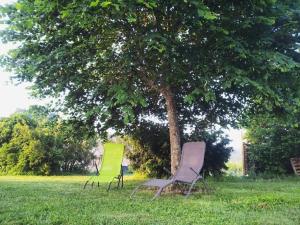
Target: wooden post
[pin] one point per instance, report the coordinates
(245, 159)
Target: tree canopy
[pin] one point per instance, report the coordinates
(189, 61)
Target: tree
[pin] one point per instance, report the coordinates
(115, 62)
(76, 144)
(37, 141)
(15, 135)
(271, 144)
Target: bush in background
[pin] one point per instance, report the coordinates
(38, 142)
(271, 145)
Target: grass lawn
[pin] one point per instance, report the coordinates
(61, 200)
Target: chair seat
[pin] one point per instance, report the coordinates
(157, 183)
(186, 179)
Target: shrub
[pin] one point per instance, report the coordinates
(271, 145)
(35, 142)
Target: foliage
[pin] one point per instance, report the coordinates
(38, 142)
(60, 200)
(272, 143)
(234, 169)
(149, 149)
(114, 60)
(76, 144)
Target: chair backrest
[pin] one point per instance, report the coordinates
(296, 165)
(192, 157)
(111, 161)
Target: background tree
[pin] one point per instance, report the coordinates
(39, 142)
(76, 144)
(272, 142)
(115, 62)
(15, 134)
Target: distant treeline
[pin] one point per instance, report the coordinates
(39, 142)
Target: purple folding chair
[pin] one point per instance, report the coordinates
(188, 172)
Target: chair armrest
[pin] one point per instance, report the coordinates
(168, 171)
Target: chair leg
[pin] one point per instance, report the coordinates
(85, 184)
(135, 190)
(119, 180)
(205, 186)
(191, 187)
(109, 185)
(122, 176)
(158, 193)
(98, 184)
(122, 184)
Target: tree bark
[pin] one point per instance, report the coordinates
(174, 132)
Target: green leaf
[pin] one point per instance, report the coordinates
(209, 96)
(143, 102)
(206, 14)
(128, 114)
(148, 4)
(117, 6)
(19, 6)
(94, 3)
(189, 99)
(266, 20)
(65, 13)
(29, 23)
(224, 31)
(106, 4)
(131, 18)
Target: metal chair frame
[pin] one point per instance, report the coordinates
(120, 179)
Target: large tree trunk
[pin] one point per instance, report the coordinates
(173, 129)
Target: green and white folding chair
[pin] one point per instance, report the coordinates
(111, 166)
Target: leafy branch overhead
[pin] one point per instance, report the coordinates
(219, 56)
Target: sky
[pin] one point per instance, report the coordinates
(14, 97)
(2, 2)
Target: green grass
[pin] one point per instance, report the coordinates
(61, 200)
